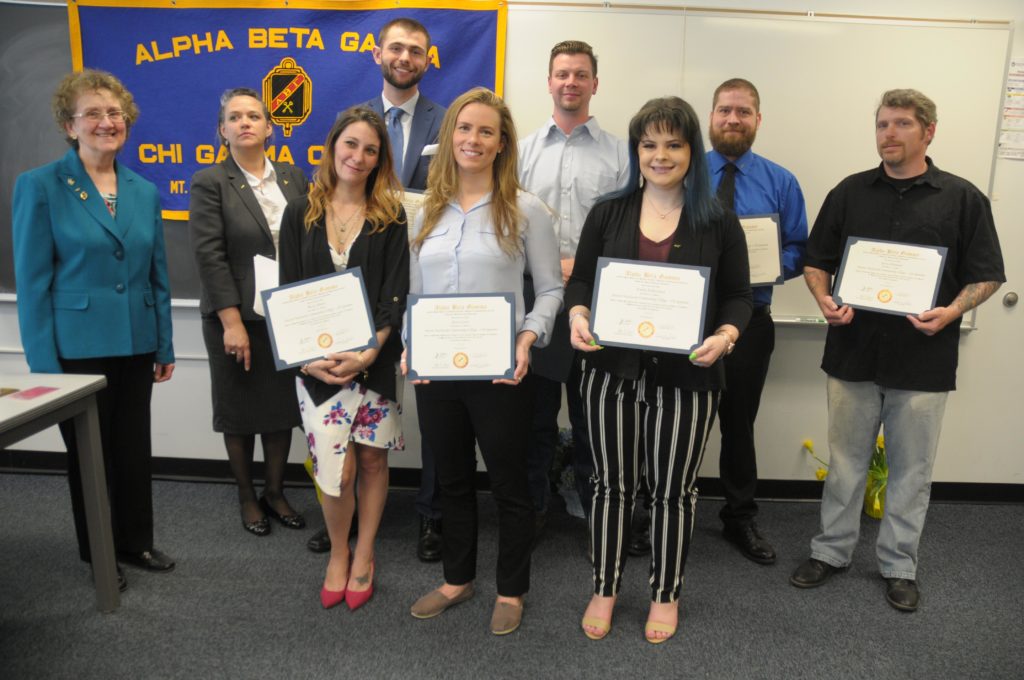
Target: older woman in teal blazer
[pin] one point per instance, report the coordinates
(93, 295)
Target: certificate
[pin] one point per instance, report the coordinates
(889, 277)
(764, 249)
(461, 337)
(311, 318)
(648, 305)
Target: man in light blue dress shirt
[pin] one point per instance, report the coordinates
(569, 163)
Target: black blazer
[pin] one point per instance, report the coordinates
(612, 229)
(226, 228)
(383, 258)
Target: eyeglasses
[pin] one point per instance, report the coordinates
(96, 116)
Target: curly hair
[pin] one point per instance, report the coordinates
(73, 85)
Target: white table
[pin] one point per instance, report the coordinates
(74, 398)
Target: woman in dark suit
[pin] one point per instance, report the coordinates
(235, 211)
(353, 217)
(650, 412)
(93, 296)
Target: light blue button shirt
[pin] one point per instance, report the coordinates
(570, 172)
(462, 255)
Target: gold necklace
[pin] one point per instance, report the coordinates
(341, 226)
(661, 215)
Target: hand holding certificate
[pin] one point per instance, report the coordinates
(889, 277)
(647, 305)
(312, 318)
(461, 337)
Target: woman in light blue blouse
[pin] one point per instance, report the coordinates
(479, 232)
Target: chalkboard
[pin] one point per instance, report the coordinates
(820, 79)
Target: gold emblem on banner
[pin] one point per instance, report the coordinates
(288, 93)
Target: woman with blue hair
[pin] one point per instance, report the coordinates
(650, 412)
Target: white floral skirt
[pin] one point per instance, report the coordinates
(354, 413)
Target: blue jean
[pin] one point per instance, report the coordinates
(912, 422)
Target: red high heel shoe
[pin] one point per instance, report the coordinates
(331, 598)
(357, 598)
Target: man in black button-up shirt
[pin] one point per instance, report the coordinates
(886, 369)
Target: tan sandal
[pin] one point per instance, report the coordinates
(600, 624)
(657, 627)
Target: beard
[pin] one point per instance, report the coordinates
(732, 146)
(398, 84)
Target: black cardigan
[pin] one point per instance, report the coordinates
(383, 258)
(612, 229)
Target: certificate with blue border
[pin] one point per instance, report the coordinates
(888, 276)
(764, 249)
(309, 319)
(649, 305)
(461, 336)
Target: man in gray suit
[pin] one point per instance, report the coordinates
(413, 123)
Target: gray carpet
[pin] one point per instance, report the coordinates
(238, 606)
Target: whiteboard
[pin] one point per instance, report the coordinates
(820, 80)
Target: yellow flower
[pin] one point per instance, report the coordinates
(880, 442)
(821, 474)
(809, 445)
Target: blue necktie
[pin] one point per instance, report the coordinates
(397, 137)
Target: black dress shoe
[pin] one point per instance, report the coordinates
(751, 543)
(260, 527)
(812, 573)
(902, 594)
(151, 560)
(295, 521)
(428, 549)
(320, 542)
(640, 541)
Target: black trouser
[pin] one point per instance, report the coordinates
(123, 410)
(453, 415)
(745, 372)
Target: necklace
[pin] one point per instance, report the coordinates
(661, 215)
(341, 225)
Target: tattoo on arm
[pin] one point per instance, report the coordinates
(818, 281)
(974, 294)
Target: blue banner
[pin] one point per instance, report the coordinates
(309, 60)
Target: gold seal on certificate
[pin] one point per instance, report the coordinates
(648, 305)
(315, 317)
(461, 337)
(764, 249)
(889, 277)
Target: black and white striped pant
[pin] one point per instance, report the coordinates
(636, 427)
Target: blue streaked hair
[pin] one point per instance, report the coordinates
(674, 115)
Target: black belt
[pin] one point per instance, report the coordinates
(763, 310)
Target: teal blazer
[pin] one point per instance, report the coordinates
(89, 285)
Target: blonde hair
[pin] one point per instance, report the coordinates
(443, 178)
(74, 85)
(383, 190)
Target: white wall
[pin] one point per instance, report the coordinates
(979, 443)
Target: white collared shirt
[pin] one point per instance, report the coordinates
(269, 196)
(570, 172)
